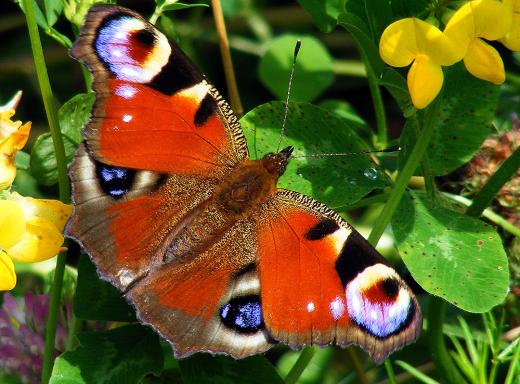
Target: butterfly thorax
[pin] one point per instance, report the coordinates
(248, 186)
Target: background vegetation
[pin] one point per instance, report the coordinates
(463, 263)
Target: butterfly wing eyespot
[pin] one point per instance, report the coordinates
(322, 282)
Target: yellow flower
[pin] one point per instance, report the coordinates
(413, 40)
(7, 275)
(30, 230)
(488, 19)
(512, 39)
(13, 136)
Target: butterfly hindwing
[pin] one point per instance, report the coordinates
(154, 110)
(322, 282)
(209, 302)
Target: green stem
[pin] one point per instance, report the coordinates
(63, 182)
(404, 176)
(349, 68)
(379, 107)
(436, 344)
(303, 361)
(156, 14)
(493, 185)
(390, 372)
(488, 214)
(429, 180)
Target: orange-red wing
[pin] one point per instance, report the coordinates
(321, 282)
(154, 110)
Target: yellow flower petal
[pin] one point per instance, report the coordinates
(41, 241)
(512, 39)
(404, 39)
(13, 136)
(425, 80)
(12, 223)
(484, 62)
(52, 210)
(7, 274)
(489, 19)
(7, 171)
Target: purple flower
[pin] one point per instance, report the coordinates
(22, 334)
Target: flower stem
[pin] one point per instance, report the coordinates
(63, 181)
(438, 349)
(488, 214)
(234, 96)
(404, 176)
(390, 372)
(486, 195)
(297, 369)
(379, 107)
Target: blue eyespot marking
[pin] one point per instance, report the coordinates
(114, 181)
(243, 314)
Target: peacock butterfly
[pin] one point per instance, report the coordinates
(197, 236)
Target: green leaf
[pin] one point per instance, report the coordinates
(334, 180)
(463, 122)
(323, 12)
(451, 255)
(203, 368)
(121, 355)
(345, 110)
(169, 6)
(23, 160)
(361, 34)
(97, 299)
(376, 14)
(53, 10)
(73, 115)
(313, 72)
(43, 161)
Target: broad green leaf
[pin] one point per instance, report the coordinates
(97, 299)
(203, 368)
(407, 8)
(451, 255)
(53, 9)
(361, 35)
(323, 12)
(334, 180)
(121, 355)
(345, 110)
(43, 161)
(72, 116)
(22, 160)
(313, 72)
(376, 14)
(463, 123)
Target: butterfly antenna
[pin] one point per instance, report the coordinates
(389, 149)
(282, 132)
